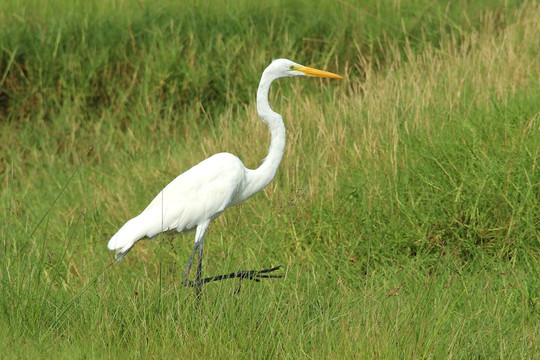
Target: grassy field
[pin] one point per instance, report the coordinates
(406, 211)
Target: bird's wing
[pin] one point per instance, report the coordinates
(198, 195)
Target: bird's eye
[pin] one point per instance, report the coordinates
(291, 67)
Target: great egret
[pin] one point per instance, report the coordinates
(202, 193)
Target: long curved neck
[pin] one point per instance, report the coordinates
(258, 179)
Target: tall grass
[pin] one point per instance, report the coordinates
(405, 210)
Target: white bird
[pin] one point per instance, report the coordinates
(202, 193)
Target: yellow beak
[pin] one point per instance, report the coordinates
(319, 73)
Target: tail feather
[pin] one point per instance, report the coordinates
(128, 235)
(122, 243)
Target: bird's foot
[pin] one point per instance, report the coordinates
(255, 275)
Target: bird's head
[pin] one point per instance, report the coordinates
(286, 68)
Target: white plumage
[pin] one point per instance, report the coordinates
(202, 193)
(199, 194)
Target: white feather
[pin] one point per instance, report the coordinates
(203, 192)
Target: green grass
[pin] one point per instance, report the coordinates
(405, 212)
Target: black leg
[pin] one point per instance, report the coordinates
(198, 281)
(255, 275)
(188, 267)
